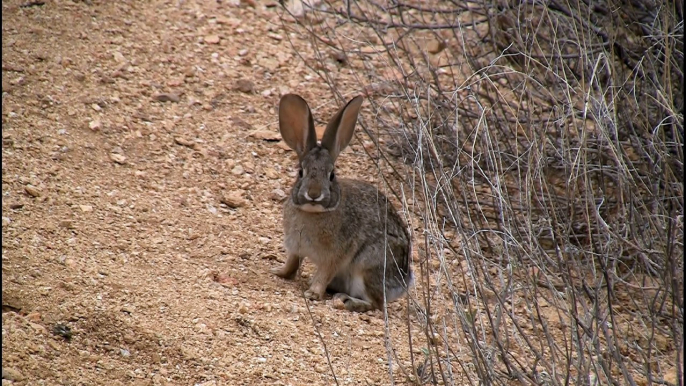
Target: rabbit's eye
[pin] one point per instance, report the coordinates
(331, 176)
(300, 173)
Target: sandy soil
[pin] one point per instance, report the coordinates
(142, 180)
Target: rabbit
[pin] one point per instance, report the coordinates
(359, 244)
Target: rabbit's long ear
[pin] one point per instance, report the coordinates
(340, 129)
(296, 124)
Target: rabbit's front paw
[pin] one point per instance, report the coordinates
(312, 295)
(283, 272)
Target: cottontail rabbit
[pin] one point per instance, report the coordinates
(359, 244)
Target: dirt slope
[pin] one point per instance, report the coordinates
(139, 212)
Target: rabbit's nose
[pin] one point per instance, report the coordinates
(314, 194)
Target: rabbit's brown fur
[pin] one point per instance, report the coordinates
(351, 232)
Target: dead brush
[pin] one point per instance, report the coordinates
(537, 149)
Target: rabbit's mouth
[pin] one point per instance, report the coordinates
(316, 208)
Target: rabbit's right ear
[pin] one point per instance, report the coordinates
(340, 129)
(296, 124)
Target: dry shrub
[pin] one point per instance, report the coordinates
(539, 148)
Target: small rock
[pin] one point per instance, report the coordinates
(274, 36)
(278, 195)
(18, 81)
(435, 264)
(16, 206)
(120, 74)
(282, 145)
(340, 57)
(249, 167)
(201, 328)
(321, 369)
(662, 343)
(118, 158)
(269, 63)
(95, 125)
(184, 142)
(54, 345)
(124, 352)
(41, 56)
(32, 191)
(245, 86)
(271, 174)
(243, 52)
(119, 57)
(283, 90)
(38, 328)
(212, 39)
(241, 123)
(86, 208)
(264, 240)
(67, 224)
(167, 97)
(6, 221)
(224, 279)
(233, 200)
(34, 316)
(435, 46)
(12, 374)
(237, 170)
(243, 308)
(295, 8)
(266, 135)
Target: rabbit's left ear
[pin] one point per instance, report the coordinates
(340, 129)
(296, 124)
